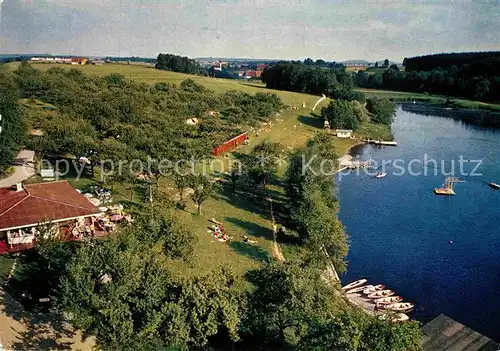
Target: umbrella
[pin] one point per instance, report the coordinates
(116, 218)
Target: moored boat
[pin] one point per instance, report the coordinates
(394, 317)
(388, 300)
(359, 289)
(354, 284)
(379, 294)
(372, 289)
(380, 175)
(494, 185)
(400, 306)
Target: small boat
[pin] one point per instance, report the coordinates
(400, 306)
(394, 317)
(494, 185)
(354, 284)
(388, 300)
(380, 175)
(359, 289)
(379, 294)
(372, 289)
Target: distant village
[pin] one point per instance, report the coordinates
(68, 60)
(218, 68)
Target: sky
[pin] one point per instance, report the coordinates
(330, 30)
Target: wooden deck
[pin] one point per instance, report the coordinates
(446, 334)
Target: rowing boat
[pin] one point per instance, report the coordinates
(379, 294)
(371, 289)
(388, 300)
(400, 306)
(359, 289)
(354, 284)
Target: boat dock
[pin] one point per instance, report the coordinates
(362, 301)
(444, 333)
(349, 162)
(381, 142)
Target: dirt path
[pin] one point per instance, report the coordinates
(21, 330)
(21, 172)
(277, 253)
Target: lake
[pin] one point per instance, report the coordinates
(442, 253)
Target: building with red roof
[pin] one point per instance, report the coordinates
(24, 208)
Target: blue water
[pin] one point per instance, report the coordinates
(400, 231)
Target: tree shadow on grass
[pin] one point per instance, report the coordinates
(313, 121)
(254, 252)
(251, 228)
(244, 198)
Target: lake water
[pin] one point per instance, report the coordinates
(400, 232)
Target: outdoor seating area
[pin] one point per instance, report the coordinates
(98, 196)
(67, 212)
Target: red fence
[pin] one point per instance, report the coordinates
(230, 144)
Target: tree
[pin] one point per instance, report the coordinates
(161, 228)
(263, 162)
(122, 291)
(181, 183)
(287, 297)
(342, 333)
(386, 63)
(203, 188)
(379, 335)
(382, 110)
(234, 175)
(13, 127)
(354, 331)
(341, 114)
(376, 64)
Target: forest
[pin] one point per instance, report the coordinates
(474, 76)
(180, 64)
(445, 61)
(312, 78)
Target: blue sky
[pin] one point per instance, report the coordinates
(331, 30)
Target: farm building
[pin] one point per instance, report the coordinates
(230, 144)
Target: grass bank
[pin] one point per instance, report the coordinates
(401, 96)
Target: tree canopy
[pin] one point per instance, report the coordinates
(13, 127)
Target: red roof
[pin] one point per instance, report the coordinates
(38, 203)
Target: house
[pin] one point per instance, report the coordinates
(253, 74)
(78, 61)
(343, 133)
(24, 208)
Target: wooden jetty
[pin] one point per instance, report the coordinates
(444, 333)
(349, 162)
(381, 142)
